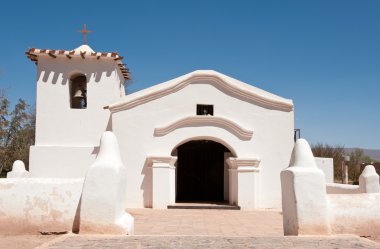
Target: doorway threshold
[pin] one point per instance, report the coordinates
(203, 205)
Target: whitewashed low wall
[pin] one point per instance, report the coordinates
(354, 214)
(368, 183)
(338, 188)
(30, 205)
(309, 210)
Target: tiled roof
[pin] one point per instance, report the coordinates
(83, 52)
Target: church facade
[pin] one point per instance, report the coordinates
(201, 137)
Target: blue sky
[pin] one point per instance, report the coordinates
(325, 55)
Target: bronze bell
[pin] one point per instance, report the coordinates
(79, 93)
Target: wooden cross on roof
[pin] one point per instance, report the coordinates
(85, 31)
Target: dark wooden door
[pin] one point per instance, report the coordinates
(200, 171)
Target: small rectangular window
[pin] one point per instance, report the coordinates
(205, 110)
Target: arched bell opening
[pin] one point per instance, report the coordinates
(202, 172)
(78, 91)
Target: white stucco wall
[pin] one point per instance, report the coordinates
(338, 188)
(354, 213)
(102, 203)
(272, 139)
(61, 161)
(309, 210)
(33, 205)
(62, 132)
(57, 123)
(327, 166)
(368, 183)
(254, 124)
(304, 204)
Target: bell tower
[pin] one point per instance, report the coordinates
(73, 87)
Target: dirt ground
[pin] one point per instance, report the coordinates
(25, 241)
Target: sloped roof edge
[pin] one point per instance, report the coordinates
(228, 84)
(83, 51)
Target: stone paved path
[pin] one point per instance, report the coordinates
(210, 242)
(194, 229)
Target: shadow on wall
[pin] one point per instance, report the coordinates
(109, 123)
(95, 151)
(76, 223)
(44, 75)
(146, 185)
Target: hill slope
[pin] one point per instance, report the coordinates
(374, 154)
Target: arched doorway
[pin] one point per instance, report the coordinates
(201, 171)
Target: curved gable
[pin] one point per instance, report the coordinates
(226, 84)
(196, 121)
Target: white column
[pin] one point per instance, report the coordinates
(304, 199)
(102, 205)
(226, 187)
(163, 177)
(233, 193)
(244, 182)
(18, 170)
(369, 180)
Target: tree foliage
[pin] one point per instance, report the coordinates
(17, 129)
(357, 157)
(4, 105)
(334, 152)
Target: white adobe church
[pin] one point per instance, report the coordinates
(201, 137)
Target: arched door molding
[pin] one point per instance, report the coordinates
(243, 175)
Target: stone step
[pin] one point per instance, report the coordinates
(222, 206)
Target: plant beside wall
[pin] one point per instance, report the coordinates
(357, 157)
(17, 131)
